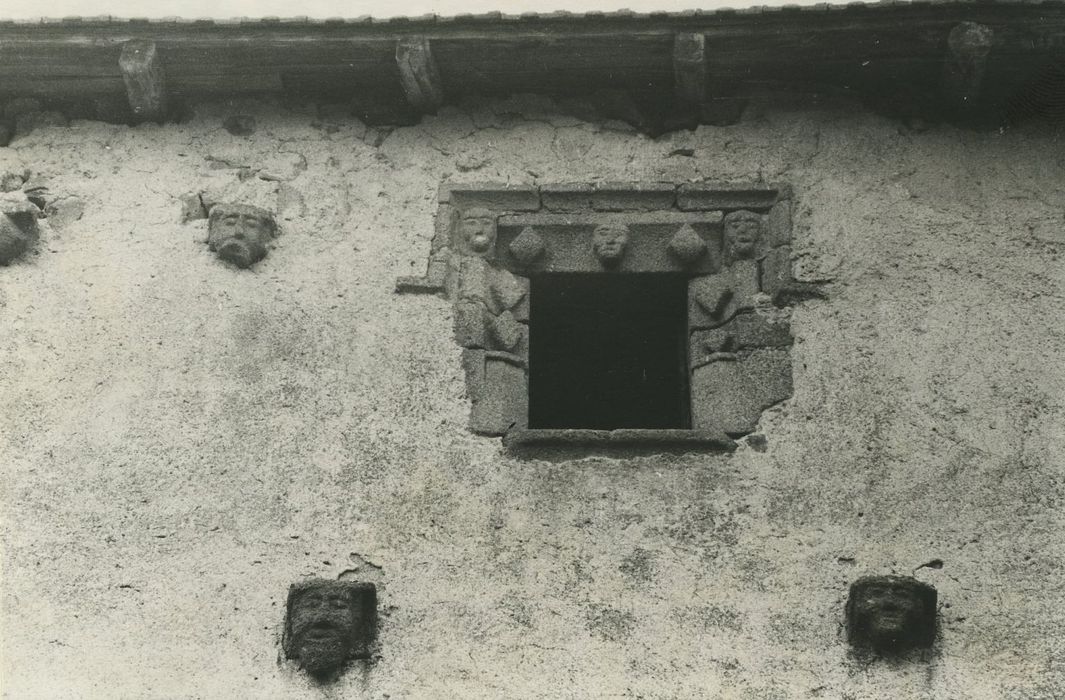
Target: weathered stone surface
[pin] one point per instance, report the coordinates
(477, 232)
(527, 247)
(18, 226)
(503, 403)
(891, 614)
(687, 246)
(474, 279)
(64, 211)
(469, 324)
(11, 181)
(507, 333)
(240, 233)
(609, 243)
(574, 197)
(498, 197)
(329, 622)
(714, 299)
(639, 197)
(507, 292)
(473, 367)
(746, 331)
(776, 270)
(724, 196)
(192, 208)
(658, 441)
(731, 396)
(744, 235)
(253, 429)
(778, 224)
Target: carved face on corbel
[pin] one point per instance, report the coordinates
(891, 614)
(609, 242)
(240, 233)
(479, 231)
(743, 229)
(329, 622)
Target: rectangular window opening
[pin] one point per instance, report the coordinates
(608, 351)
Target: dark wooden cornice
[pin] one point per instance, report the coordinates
(957, 60)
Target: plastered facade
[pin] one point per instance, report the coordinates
(182, 440)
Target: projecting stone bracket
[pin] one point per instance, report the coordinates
(328, 623)
(731, 241)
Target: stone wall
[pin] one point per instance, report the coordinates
(182, 440)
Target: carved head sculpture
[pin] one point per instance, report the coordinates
(329, 622)
(742, 231)
(479, 230)
(240, 233)
(18, 227)
(609, 242)
(891, 614)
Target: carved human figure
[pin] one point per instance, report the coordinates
(240, 233)
(743, 229)
(479, 230)
(891, 614)
(329, 622)
(609, 242)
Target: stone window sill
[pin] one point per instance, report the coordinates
(627, 441)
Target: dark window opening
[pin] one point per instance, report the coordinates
(608, 351)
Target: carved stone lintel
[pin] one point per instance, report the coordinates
(689, 67)
(418, 74)
(686, 246)
(969, 44)
(142, 71)
(609, 243)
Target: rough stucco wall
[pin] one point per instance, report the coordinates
(181, 440)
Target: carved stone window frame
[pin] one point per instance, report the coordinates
(490, 237)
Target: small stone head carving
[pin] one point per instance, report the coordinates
(329, 622)
(891, 614)
(609, 242)
(18, 227)
(479, 230)
(240, 233)
(742, 231)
